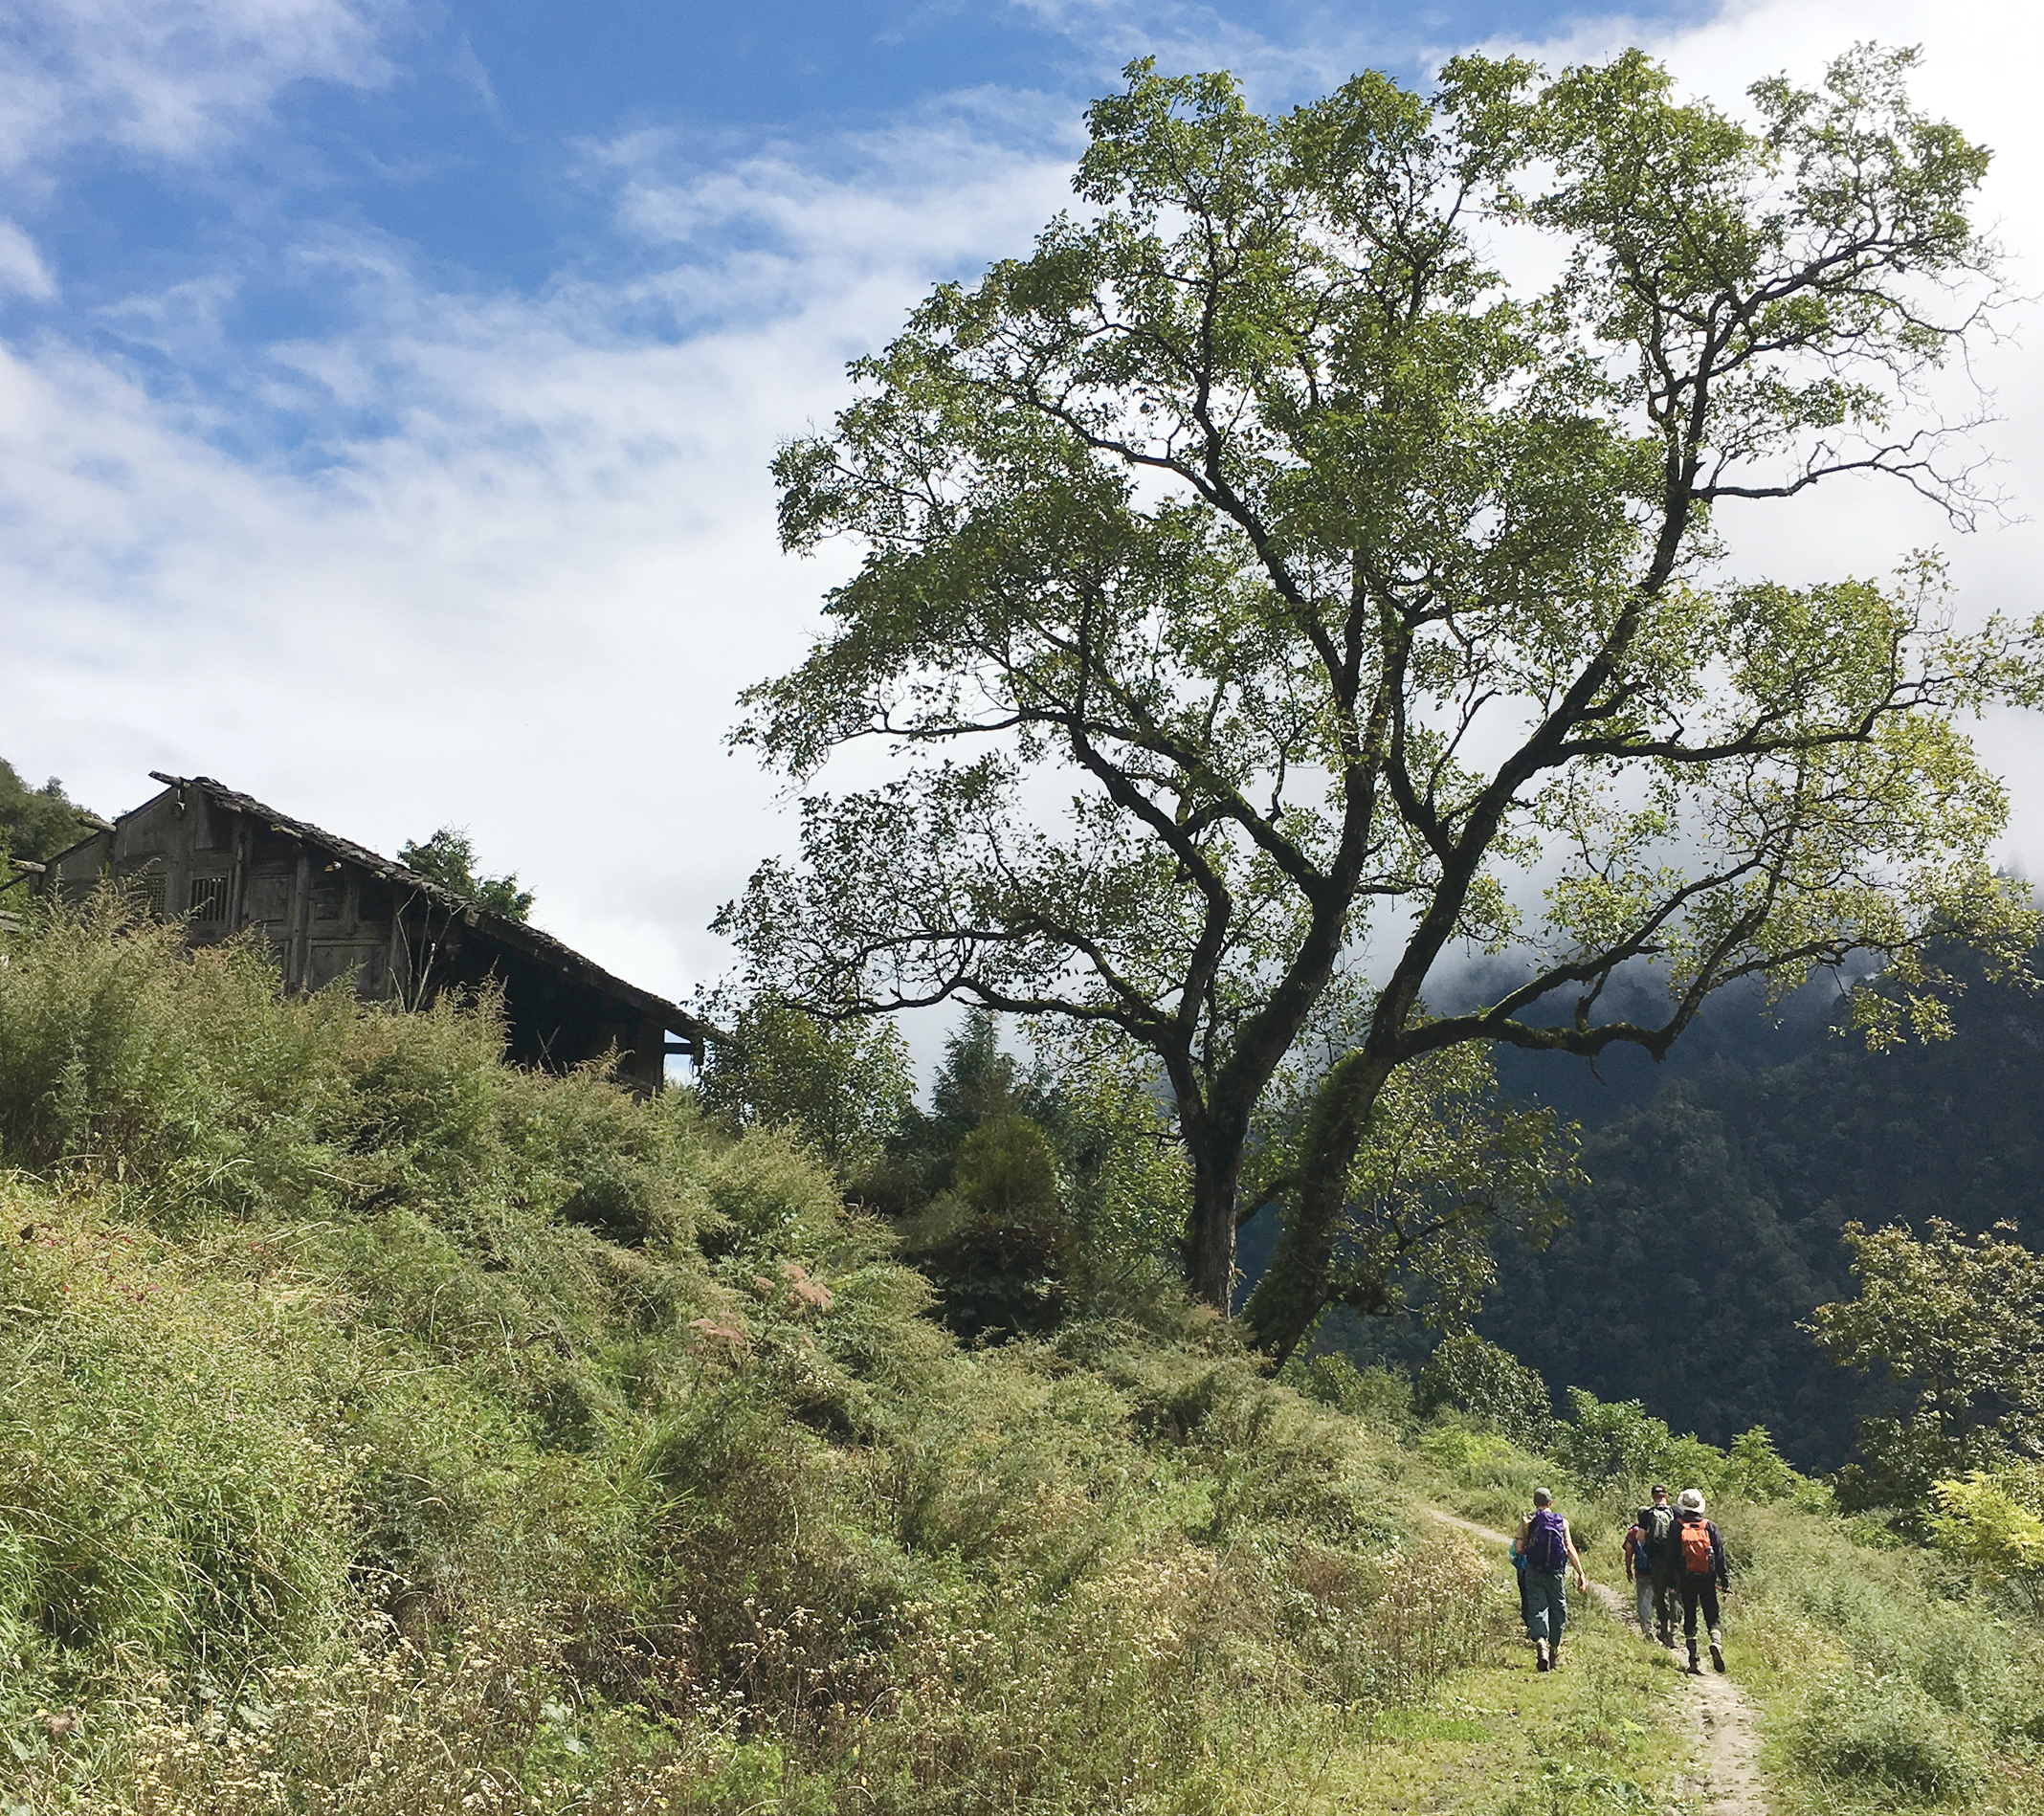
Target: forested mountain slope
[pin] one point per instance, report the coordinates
(1709, 1226)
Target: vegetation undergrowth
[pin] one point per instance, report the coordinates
(1892, 1677)
(1593, 1738)
(387, 1428)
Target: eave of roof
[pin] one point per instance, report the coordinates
(101, 828)
(517, 935)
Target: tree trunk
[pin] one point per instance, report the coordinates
(1294, 1288)
(1211, 1230)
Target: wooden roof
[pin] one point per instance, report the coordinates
(516, 935)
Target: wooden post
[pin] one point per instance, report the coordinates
(237, 875)
(394, 965)
(649, 1054)
(299, 952)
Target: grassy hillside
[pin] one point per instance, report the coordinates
(430, 1435)
(391, 1431)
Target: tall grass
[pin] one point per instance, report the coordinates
(1899, 1679)
(387, 1429)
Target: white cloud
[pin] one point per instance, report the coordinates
(1289, 58)
(525, 601)
(529, 605)
(22, 271)
(168, 77)
(784, 225)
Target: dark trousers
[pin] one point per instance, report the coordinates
(1699, 1591)
(1665, 1596)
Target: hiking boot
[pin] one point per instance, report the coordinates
(1554, 1658)
(1540, 1654)
(1716, 1650)
(1694, 1665)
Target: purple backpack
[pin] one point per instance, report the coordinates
(1547, 1541)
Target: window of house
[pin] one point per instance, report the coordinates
(146, 884)
(209, 898)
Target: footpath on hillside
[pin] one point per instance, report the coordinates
(1717, 1715)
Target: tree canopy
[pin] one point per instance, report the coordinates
(449, 859)
(37, 823)
(1959, 1320)
(1259, 582)
(845, 1089)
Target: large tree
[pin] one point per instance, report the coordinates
(449, 859)
(1308, 549)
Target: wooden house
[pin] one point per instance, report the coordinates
(329, 910)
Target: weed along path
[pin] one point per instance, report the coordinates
(1717, 1715)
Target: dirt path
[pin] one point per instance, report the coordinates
(1718, 1715)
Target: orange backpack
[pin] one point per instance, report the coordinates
(1696, 1548)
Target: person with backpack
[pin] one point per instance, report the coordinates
(1548, 1548)
(1699, 1551)
(1638, 1572)
(1657, 1567)
(1518, 1556)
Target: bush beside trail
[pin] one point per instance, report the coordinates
(391, 1429)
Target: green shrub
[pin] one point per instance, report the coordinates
(1381, 1396)
(1755, 1471)
(768, 1191)
(841, 1087)
(1602, 1442)
(629, 1172)
(1990, 1520)
(1496, 1477)
(1886, 1730)
(1568, 1788)
(1002, 1244)
(1466, 1374)
(1619, 1446)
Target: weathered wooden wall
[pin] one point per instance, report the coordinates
(329, 915)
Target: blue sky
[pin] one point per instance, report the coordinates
(209, 190)
(386, 389)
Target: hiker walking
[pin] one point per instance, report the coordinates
(1655, 1568)
(1638, 1571)
(1699, 1551)
(1518, 1554)
(1548, 1548)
